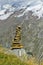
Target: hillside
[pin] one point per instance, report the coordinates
(29, 15)
(32, 39)
(9, 59)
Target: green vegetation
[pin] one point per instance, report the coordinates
(10, 60)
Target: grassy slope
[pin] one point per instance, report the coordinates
(8, 59)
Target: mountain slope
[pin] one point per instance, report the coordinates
(32, 39)
(7, 8)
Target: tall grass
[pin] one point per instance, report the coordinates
(10, 60)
